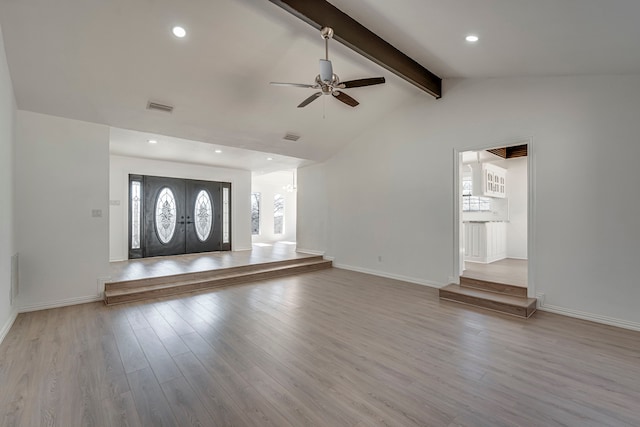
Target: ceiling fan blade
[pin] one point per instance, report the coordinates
(310, 99)
(292, 85)
(326, 70)
(362, 82)
(345, 98)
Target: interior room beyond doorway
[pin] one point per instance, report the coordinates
(494, 215)
(273, 207)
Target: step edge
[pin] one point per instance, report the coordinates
(490, 309)
(495, 291)
(528, 300)
(252, 267)
(211, 280)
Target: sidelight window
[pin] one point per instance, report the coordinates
(136, 212)
(225, 215)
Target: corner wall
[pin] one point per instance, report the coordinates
(119, 170)
(7, 220)
(62, 177)
(390, 192)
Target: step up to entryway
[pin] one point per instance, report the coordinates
(495, 296)
(154, 287)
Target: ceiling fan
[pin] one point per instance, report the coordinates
(328, 83)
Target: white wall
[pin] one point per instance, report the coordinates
(119, 170)
(7, 242)
(268, 185)
(390, 192)
(312, 207)
(517, 196)
(62, 174)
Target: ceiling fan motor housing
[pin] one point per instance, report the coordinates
(326, 70)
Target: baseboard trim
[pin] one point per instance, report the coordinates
(8, 324)
(390, 275)
(60, 303)
(241, 249)
(611, 321)
(309, 251)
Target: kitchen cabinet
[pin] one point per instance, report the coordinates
(489, 180)
(485, 241)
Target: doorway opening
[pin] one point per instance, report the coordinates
(173, 216)
(273, 208)
(493, 210)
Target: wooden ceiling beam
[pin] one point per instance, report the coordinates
(348, 31)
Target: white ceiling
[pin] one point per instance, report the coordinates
(101, 61)
(136, 144)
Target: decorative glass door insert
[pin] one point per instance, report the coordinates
(170, 216)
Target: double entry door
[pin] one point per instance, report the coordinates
(172, 216)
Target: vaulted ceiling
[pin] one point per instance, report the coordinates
(102, 61)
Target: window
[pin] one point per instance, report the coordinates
(278, 214)
(203, 215)
(165, 215)
(473, 203)
(225, 214)
(255, 213)
(136, 212)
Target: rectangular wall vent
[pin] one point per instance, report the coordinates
(291, 137)
(159, 107)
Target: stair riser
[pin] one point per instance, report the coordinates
(523, 312)
(215, 283)
(499, 288)
(204, 275)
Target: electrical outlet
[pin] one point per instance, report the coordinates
(379, 258)
(96, 213)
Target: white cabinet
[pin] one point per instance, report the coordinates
(489, 181)
(485, 242)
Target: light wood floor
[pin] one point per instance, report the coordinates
(143, 268)
(509, 271)
(328, 348)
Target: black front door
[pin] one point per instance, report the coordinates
(203, 228)
(164, 216)
(178, 216)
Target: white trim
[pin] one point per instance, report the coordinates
(239, 249)
(101, 284)
(7, 325)
(588, 316)
(60, 303)
(309, 251)
(389, 275)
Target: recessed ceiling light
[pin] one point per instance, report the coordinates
(218, 151)
(269, 158)
(471, 38)
(152, 141)
(179, 32)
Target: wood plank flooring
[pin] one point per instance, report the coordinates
(327, 348)
(508, 270)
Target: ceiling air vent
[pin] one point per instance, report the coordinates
(159, 107)
(291, 137)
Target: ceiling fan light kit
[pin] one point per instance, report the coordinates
(329, 83)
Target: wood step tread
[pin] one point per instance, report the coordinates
(492, 296)
(213, 278)
(496, 287)
(208, 274)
